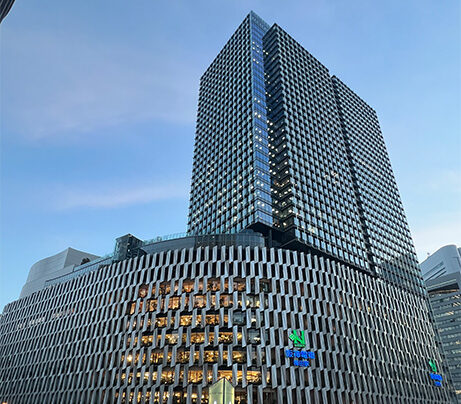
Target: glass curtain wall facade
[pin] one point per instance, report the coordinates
(230, 175)
(313, 188)
(309, 164)
(386, 230)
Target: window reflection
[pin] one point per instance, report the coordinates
(238, 318)
(254, 337)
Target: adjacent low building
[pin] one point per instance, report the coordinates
(442, 274)
(56, 266)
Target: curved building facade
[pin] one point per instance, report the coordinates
(58, 265)
(161, 328)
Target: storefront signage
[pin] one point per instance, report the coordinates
(434, 375)
(300, 357)
(299, 341)
(437, 379)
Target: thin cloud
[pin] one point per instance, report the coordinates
(437, 233)
(442, 180)
(56, 86)
(120, 197)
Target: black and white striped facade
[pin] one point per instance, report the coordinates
(161, 327)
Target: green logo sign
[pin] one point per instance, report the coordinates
(298, 340)
(433, 365)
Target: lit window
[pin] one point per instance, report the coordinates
(197, 337)
(226, 337)
(161, 322)
(238, 356)
(185, 320)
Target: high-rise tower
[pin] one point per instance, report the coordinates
(285, 148)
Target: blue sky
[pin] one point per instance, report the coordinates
(98, 104)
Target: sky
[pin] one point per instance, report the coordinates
(98, 106)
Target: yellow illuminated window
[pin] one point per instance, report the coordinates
(128, 341)
(254, 376)
(239, 284)
(253, 301)
(197, 337)
(164, 288)
(132, 308)
(171, 338)
(227, 374)
(211, 356)
(161, 322)
(195, 376)
(147, 340)
(156, 357)
(167, 376)
(225, 300)
(238, 356)
(213, 300)
(143, 291)
(188, 286)
(151, 305)
(199, 301)
(212, 319)
(174, 303)
(185, 320)
(182, 356)
(226, 337)
(213, 285)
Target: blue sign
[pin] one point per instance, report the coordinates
(301, 363)
(289, 353)
(437, 379)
